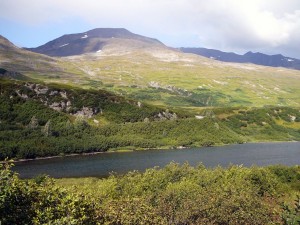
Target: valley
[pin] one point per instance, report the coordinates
(109, 90)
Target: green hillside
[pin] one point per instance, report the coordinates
(40, 120)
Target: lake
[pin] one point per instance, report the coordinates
(101, 165)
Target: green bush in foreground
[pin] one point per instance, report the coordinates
(172, 195)
(40, 202)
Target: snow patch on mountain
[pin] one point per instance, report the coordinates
(64, 45)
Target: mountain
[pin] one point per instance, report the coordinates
(18, 63)
(94, 41)
(147, 71)
(13, 58)
(249, 57)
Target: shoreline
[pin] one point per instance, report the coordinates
(132, 150)
(52, 157)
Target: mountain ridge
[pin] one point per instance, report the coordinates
(277, 60)
(122, 40)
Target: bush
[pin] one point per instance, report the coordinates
(176, 194)
(40, 202)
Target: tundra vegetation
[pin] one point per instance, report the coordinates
(176, 194)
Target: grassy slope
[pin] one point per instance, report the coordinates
(186, 80)
(207, 82)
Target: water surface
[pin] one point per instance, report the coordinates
(101, 165)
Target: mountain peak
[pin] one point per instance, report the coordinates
(109, 32)
(249, 53)
(94, 41)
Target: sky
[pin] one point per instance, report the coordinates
(267, 26)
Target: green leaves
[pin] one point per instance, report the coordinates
(291, 215)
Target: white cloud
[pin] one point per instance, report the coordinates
(270, 25)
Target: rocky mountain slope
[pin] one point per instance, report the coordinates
(94, 41)
(249, 57)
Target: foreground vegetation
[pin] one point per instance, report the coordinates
(172, 195)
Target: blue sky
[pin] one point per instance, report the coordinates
(268, 26)
(25, 35)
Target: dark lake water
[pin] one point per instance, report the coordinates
(101, 165)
